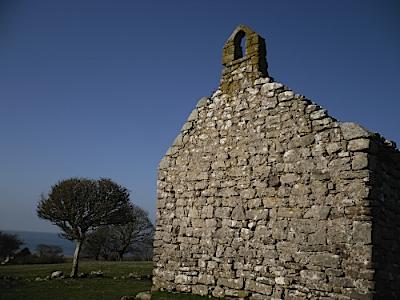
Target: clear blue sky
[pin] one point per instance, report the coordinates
(101, 88)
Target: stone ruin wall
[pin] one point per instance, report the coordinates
(264, 195)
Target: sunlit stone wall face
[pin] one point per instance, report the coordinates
(263, 195)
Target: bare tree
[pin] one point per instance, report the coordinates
(48, 250)
(137, 230)
(80, 205)
(96, 242)
(116, 240)
(144, 249)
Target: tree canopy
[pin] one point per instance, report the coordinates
(80, 205)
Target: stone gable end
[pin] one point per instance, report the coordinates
(263, 195)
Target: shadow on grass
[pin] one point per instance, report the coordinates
(168, 296)
(72, 289)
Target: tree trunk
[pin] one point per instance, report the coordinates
(75, 261)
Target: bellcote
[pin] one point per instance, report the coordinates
(243, 64)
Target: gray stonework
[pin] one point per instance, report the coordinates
(263, 195)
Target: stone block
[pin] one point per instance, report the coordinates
(362, 232)
(202, 102)
(270, 202)
(318, 114)
(254, 203)
(183, 279)
(311, 275)
(289, 178)
(270, 86)
(233, 283)
(238, 213)
(319, 212)
(301, 141)
(359, 145)
(201, 290)
(257, 214)
(258, 287)
(279, 231)
(218, 292)
(236, 293)
(353, 131)
(359, 161)
(281, 280)
(289, 212)
(223, 212)
(285, 96)
(317, 238)
(325, 260)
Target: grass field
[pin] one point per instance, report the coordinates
(114, 284)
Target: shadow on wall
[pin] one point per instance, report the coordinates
(386, 222)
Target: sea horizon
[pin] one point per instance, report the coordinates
(32, 239)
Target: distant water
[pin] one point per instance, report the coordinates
(32, 239)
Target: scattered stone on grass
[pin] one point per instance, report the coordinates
(143, 296)
(127, 298)
(83, 275)
(134, 276)
(98, 273)
(56, 275)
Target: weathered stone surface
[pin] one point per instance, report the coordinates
(183, 279)
(206, 279)
(201, 290)
(325, 260)
(202, 102)
(270, 86)
(352, 131)
(289, 212)
(264, 196)
(312, 275)
(289, 178)
(231, 283)
(218, 292)
(360, 161)
(193, 115)
(318, 212)
(359, 145)
(362, 232)
(238, 213)
(318, 114)
(258, 287)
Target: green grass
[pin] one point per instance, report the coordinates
(107, 287)
(110, 268)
